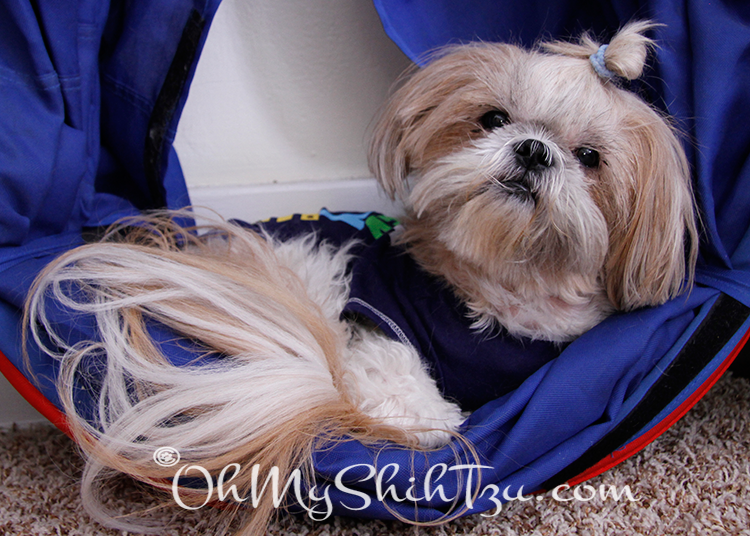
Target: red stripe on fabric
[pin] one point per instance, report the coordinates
(642, 441)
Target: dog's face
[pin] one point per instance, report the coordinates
(536, 188)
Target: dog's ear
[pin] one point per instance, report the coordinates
(389, 157)
(653, 232)
(653, 249)
(432, 114)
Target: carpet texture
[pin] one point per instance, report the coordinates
(695, 479)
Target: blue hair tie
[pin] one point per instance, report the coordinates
(597, 61)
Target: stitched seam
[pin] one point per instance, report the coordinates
(44, 81)
(387, 320)
(127, 94)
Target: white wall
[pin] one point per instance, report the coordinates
(285, 91)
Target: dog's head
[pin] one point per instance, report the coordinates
(530, 175)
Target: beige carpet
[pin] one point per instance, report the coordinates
(693, 480)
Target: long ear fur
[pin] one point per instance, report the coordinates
(431, 114)
(392, 145)
(652, 256)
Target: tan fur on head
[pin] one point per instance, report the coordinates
(548, 250)
(434, 112)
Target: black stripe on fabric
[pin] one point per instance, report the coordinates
(166, 105)
(724, 319)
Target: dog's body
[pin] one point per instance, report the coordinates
(543, 195)
(386, 376)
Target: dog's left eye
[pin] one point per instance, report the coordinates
(494, 119)
(588, 157)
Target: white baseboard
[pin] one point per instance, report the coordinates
(249, 203)
(253, 203)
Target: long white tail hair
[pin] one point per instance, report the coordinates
(268, 387)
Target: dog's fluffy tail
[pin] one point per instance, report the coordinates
(266, 384)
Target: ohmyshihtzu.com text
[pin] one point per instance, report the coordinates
(318, 503)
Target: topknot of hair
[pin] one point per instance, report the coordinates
(625, 55)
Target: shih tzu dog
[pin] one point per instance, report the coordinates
(537, 191)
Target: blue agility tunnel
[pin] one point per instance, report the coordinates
(91, 94)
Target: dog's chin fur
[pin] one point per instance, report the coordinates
(532, 236)
(529, 261)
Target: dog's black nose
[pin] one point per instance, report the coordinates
(533, 155)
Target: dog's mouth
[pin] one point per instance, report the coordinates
(519, 186)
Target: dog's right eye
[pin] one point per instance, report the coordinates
(494, 119)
